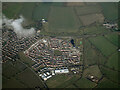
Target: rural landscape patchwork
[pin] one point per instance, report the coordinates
(60, 45)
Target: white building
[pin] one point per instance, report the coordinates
(61, 71)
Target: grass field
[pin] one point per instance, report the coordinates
(71, 86)
(91, 18)
(75, 4)
(95, 30)
(27, 11)
(8, 70)
(113, 38)
(68, 82)
(29, 79)
(57, 80)
(103, 45)
(92, 70)
(11, 10)
(63, 19)
(105, 83)
(110, 10)
(18, 65)
(113, 61)
(41, 11)
(85, 83)
(83, 10)
(110, 74)
(13, 83)
(91, 56)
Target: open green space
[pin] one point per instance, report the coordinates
(91, 19)
(27, 11)
(61, 81)
(68, 82)
(30, 79)
(13, 83)
(71, 86)
(63, 19)
(110, 10)
(56, 80)
(105, 83)
(96, 29)
(92, 70)
(88, 9)
(41, 11)
(113, 37)
(91, 56)
(85, 83)
(9, 71)
(18, 65)
(103, 45)
(113, 61)
(11, 10)
(110, 74)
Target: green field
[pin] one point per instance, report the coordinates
(113, 61)
(103, 45)
(63, 19)
(90, 19)
(57, 80)
(8, 70)
(110, 10)
(29, 79)
(41, 11)
(105, 83)
(90, 9)
(85, 83)
(27, 11)
(95, 30)
(68, 82)
(92, 70)
(11, 10)
(110, 74)
(13, 83)
(91, 56)
(113, 38)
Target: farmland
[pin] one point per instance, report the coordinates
(86, 10)
(85, 83)
(96, 29)
(105, 83)
(110, 10)
(63, 19)
(103, 45)
(18, 75)
(110, 74)
(92, 70)
(113, 38)
(41, 11)
(9, 12)
(113, 61)
(91, 19)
